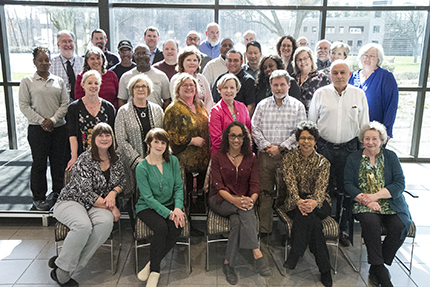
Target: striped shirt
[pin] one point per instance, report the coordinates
(273, 125)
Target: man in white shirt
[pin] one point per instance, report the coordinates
(67, 65)
(339, 110)
(273, 125)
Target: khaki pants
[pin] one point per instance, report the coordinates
(267, 169)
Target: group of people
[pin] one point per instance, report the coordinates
(129, 128)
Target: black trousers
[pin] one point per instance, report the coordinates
(337, 156)
(379, 253)
(46, 145)
(307, 230)
(164, 238)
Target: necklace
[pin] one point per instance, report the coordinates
(142, 111)
(234, 157)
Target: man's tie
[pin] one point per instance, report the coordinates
(72, 79)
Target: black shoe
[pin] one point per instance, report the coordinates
(51, 262)
(41, 205)
(291, 261)
(194, 232)
(326, 279)
(344, 240)
(384, 276)
(230, 274)
(263, 267)
(373, 278)
(51, 199)
(70, 283)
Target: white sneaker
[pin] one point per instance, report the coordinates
(144, 273)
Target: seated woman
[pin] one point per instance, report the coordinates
(86, 205)
(234, 191)
(227, 110)
(374, 178)
(160, 202)
(306, 175)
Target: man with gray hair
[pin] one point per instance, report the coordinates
(210, 47)
(67, 64)
(322, 51)
(339, 110)
(273, 124)
(193, 38)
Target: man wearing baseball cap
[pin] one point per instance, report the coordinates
(125, 51)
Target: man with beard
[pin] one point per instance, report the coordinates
(67, 65)
(211, 46)
(99, 39)
(125, 51)
(322, 50)
(218, 66)
(246, 94)
(160, 93)
(151, 37)
(273, 124)
(193, 38)
(170, 53)
(253, 55)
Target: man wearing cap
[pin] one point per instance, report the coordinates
(125, 51)
(193, 38)
(67, 65)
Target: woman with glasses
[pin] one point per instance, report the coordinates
(286, 47)
(307, 76)
(132, 123)
(234, 192)
(227, 110)
(306, 174)
(379, 85)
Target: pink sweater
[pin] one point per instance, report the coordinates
(221, 117)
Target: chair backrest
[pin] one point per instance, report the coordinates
(281, 188)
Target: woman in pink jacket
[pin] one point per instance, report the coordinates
(227, 110)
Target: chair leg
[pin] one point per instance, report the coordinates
(111, 256)
(207, 252)
(412, 255)
(56, 248)
(189, 255)
(361, 254)
(337, 253)
(136, 260)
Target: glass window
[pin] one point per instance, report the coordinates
(376, 29)
(341, 29)
(403, 126)
(128, 24)
(402, 34)
(359, 43)
(20, 121)
(272, 3)
(4, 140)
(32, 26)
(314, 29)
(236, 22)
(425, 130)
(305, 29)
(350, 43)
(377, 3)
(166, 1)
(330, 29)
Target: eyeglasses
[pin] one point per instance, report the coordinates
(234, 136)
(306, 139)
(233, 60)
(140, 87)
(127, 52)
(303, 59)
(186, 86)
(371, 57)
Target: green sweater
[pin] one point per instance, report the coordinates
(149, 179)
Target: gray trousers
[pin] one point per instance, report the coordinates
(243, 230)
(89, 229)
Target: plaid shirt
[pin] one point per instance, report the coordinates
(59, 68)
(273, 125)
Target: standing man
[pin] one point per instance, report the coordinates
(248, 36)
(125, 51)
(99, 39)
(273, 125)
(322, 50)
(67, 65)
(193, 38)
(170, 53)
(302, 41)
(253, 55)
(218, 66)
(160, 93)
(339, 110)
(151, 37)
(246, 94)
(211, 46)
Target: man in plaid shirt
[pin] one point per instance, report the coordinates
(273, 125)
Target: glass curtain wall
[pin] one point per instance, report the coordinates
(398, 25)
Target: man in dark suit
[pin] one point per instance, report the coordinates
(151, 37)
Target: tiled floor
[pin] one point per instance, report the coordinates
(26, 246)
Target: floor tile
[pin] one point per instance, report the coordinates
(37, 273)
(13, 269)
(21, 249)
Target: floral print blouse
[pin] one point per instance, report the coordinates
(371, 180)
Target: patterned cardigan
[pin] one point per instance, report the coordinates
(129, 136)
(88, 182)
